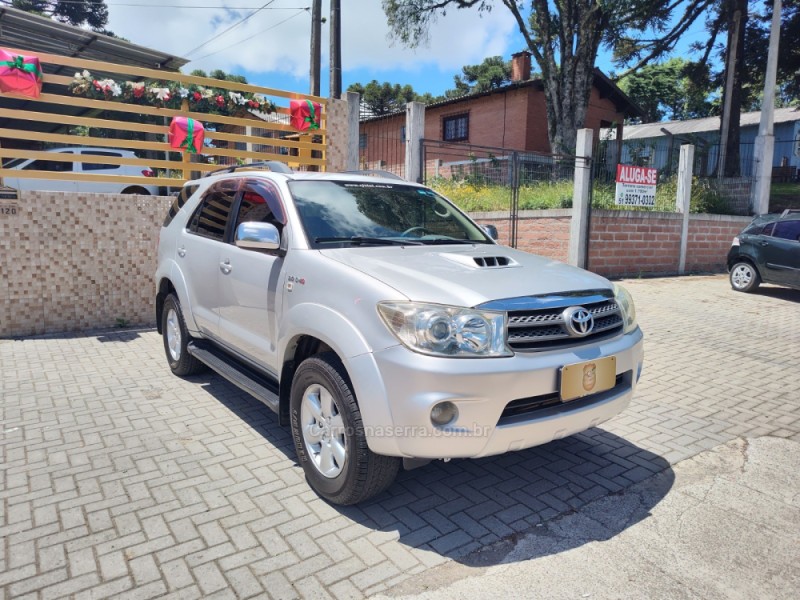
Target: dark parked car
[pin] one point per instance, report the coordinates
(767, 250)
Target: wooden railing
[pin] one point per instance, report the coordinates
(307, 150)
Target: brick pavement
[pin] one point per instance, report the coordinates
(119, 480)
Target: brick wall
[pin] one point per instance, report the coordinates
(634, 243)
(709, 241)
(543, 232)
(73, 262)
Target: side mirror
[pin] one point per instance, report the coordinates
(257, 236)
(491, 231)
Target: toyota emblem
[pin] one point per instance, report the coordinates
(578, 321)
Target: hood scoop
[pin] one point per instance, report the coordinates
(482, 262)
(492, 261)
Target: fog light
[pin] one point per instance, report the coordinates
(444, 413)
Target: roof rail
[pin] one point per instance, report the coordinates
(274, 165)
(375, 173)
(790, 211)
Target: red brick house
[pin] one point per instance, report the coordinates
(511, 117)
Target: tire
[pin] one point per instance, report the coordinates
(176, 339)
(744, 277)
(329, 435)
(136, 190)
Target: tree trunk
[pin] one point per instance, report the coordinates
(732, 162)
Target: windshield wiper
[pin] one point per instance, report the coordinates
(441, 241)
(358, 240)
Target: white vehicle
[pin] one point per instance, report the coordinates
(383, 325)
(58, 185)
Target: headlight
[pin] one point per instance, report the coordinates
(625, 302)
(446, 330)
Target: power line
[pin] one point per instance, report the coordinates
(234, 26)
(300, 11)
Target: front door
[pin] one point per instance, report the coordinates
(249, 287)
(782, 255)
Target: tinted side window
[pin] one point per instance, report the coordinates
(49, 165)
(767, 229)
(98, 166)
(211, 217)
(787, 230)
(185, 193)
(261, 202)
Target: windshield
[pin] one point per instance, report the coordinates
(337, 213)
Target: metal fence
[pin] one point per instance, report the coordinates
(482, 178)
(710, 193)
(382, 143)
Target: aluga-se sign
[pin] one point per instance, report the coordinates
(636, 186)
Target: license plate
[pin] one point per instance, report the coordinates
(590, 377)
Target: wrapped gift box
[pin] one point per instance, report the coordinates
(305, 114)
(20, 74)
(187, 134)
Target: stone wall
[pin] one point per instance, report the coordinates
(73, 262)
(338, 134)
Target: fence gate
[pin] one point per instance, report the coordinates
(487, 179)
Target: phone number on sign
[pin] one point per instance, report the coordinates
(635, 195)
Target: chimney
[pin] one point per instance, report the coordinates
(521, 66)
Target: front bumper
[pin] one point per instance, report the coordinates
(411, 384)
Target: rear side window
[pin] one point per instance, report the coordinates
(787, 230)
(185, 193)
(211, 217)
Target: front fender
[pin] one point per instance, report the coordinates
(342, 336)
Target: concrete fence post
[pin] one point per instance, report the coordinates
(683, 200)
(581, 197)
(353, 113)
(415, 131)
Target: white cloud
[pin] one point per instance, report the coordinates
(260, 45)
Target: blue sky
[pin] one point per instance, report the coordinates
(271, 48)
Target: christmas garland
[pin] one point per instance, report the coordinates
(169, 94)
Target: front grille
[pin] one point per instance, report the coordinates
(534, 330)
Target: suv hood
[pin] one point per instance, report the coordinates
(466, 275)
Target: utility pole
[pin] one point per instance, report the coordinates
(336, 49)
(316, 45)
(765, 142)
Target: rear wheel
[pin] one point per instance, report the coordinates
(176, 339)
(329, 435)
(744, 277)
(136, 190)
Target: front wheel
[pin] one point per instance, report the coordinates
(176, 339)
(744, 277)
(329, 435)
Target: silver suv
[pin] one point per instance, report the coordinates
(383, 325)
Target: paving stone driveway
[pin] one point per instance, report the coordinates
(119, 480)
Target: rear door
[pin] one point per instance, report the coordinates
(782, 254)
(198, 252)
(93, 168)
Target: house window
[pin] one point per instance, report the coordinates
(362, 141)
(455, 129)
(403, 134)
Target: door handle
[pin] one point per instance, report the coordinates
(764, 243)
(181, 251)
(225, 266)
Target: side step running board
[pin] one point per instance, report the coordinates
(246, 379)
